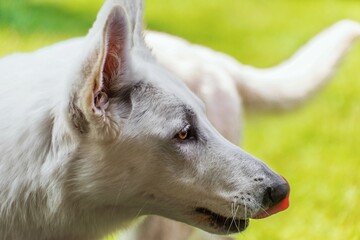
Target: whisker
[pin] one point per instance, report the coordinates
(261, 208)
(141, 209)
(245, 209)
(119, 192)
(237, 209)
(233, 214)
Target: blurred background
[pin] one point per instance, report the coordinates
(315, 146)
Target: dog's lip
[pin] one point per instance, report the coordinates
(222, 224)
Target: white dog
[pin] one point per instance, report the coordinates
(94, 132)
(225, 85)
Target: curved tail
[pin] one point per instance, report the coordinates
(281, 87)
(295, 80)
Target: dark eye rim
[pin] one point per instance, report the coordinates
(189, 133)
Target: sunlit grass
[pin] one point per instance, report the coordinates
(315, 146)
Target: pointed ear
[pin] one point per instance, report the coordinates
(114, 59)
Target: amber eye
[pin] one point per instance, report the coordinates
(183, 134)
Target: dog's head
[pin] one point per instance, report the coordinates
(146, 145)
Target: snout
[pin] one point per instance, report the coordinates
(276, 197)
(238, 187)
(273, 199)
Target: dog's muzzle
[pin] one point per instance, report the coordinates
(275, 199)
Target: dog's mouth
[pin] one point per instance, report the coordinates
(222, 224)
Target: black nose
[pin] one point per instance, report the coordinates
(275, 194)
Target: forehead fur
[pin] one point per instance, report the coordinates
(158, 80)
(157, 99)
(157, 111)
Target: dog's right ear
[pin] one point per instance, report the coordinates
(104, 68)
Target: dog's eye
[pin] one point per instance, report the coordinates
(184, 133)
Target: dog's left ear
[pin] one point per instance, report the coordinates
(114, 59)
(102, 76)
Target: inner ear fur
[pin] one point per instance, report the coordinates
(116, 35)
(102, 74)
(114, 49)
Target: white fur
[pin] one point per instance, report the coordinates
(77, 166)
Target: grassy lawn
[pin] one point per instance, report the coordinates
(316, 146)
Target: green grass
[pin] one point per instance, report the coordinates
(316, 146)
